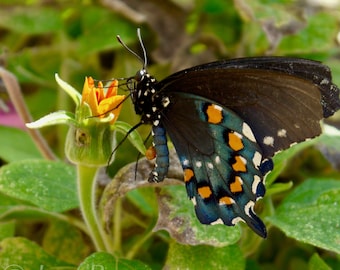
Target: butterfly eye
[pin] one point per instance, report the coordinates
(131, 84)
(140, 75)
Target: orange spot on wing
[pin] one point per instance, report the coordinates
(235, 142)
(237, 185)
(204, 192)
(214, 114)
(188, 175)
(226, 200)
(239, 165)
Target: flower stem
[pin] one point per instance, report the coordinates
(86, 183)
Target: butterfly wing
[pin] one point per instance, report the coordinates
(281, 99)
(226, 119)
(220, 158)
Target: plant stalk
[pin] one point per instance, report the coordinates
(86, 184)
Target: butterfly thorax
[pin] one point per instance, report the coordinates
(149, 102)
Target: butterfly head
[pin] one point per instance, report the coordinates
(144, 89)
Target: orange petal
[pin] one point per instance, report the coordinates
(90, 96)
(113, 105)
(86, 90)
(113, 89)
(100, 92)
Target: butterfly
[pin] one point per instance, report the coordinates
(226, 120)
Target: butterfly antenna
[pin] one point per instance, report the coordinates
(143, 48)
(122, 141)
(144, 61)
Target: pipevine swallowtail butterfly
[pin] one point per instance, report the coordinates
(226, 119)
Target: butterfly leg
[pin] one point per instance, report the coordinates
(162, 154)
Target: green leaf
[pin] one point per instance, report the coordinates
(70, 90)
(94, 18)
(204, 257)
(102, 260)
(31, 212)
(316, 263)
(27, 20)
(7, 229)
(16, 145)
(7, 202)
(277, 11)
(278, 188)
(47, 184)
(20, 253)
(65, 242)
(317, 36)
(329, 145)
(311, 214)
(55, 118)
(144, 199)
(177, 216)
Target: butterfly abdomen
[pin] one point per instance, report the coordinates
(162, 154)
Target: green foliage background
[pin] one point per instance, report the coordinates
(39, 221)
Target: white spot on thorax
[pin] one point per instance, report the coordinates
(166, 102)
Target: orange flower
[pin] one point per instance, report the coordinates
(100, 102)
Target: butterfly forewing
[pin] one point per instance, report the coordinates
(280, 109)
(305, 69)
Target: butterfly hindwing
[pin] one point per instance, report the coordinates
(220, 158)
